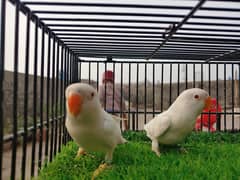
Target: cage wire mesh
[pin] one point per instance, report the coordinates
(156, 50)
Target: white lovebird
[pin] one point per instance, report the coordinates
(88, 124)
(174, 124)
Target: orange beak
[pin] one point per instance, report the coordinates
(208, 103)
(75, 104)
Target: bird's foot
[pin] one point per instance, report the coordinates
(183, 150)
(155, 147)
(81, 152)
(100, 169)
(158, 153)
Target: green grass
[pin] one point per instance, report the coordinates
(210, 156)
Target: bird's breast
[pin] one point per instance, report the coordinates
(90, 138)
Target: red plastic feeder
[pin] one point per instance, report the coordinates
(208, 120)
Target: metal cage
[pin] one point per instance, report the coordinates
(156, 50)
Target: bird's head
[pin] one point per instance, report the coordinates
(195, 99)
(81, 97)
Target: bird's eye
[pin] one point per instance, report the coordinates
(196, 96)
(92, 94)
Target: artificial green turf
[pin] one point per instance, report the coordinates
(210, 156)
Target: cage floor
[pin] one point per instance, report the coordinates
(209, 156)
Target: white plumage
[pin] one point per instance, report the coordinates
(173, 125)
(88, 124)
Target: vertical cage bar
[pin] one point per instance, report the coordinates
(162, 71)
(186, 77)
(201, 86)
(52, 99)
(89, 73)
(233, 97)
(239, 92)
(78, 60)
(97, 76)
(77, 70)
(129, 94)
(153, 90)
(80, 71)
(57, 116)
(77, 67)
(41, 100)
(70, 68)
(218, 122)
(133, 114)
(66, 84)
(61, 126)
(137, 93)
(170, 86)
(73, 68)
(105, 89)
(48, 96)
(209, 79)
(70, 80)
(121, 100)
(225, 97)
(113, 108)
(2, 54)
(34, 99)
(209, 91)
(145, 94)
(15, 92)
(66, 80)
(178, 79)
(194, 75)
(26, 81)
(64, 98)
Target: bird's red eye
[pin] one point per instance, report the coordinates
(196, 96)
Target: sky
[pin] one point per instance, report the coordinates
(9, 44)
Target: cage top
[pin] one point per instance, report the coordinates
(198, 30)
